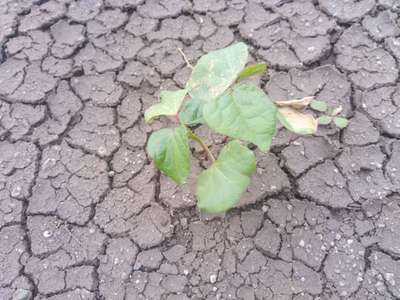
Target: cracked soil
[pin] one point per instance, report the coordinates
(83, 213)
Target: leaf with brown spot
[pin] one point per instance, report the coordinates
(296, 121)
(295, 103)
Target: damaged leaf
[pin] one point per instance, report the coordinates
(298, 104)
(216, 71)
(297, 122)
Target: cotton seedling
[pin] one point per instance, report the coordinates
(218, 95)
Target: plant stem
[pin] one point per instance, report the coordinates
(185, 58)
(197, 139)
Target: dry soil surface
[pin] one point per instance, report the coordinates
(83, 213)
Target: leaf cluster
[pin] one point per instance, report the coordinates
(331, 115)
(218, 95)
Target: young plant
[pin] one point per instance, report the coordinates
(330, 114)
(218, 95)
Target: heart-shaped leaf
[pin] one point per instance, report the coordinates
(219, 188)
(245, 113)
(324, 120)
(319, 105)
(252, 70)
(192, 112)
(296, 121)
(216, 71)
(340, 122)
(169, 149)
(169, 105)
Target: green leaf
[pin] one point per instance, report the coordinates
(251, 70)
(169, 105)
(340, 122)
(245, 113)
(192, 112)
(219, 188)
(216, 71)
(319, 105)
(169, 149)
(324, 120)
(296, 121)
